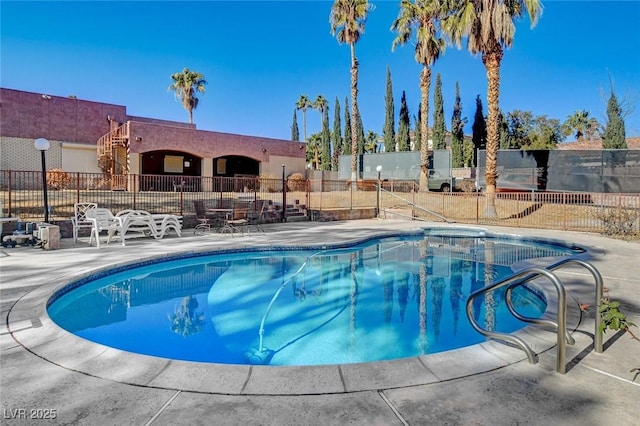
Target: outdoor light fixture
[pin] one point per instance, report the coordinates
(138, 138)
(284, 197)
(264, 150)
(379, 170)
(42, 145)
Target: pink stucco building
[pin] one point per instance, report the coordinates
(89, 136)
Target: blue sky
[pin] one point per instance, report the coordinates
(260, 56)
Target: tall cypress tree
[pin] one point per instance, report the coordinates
(614, 132)
(479, 129)
(346, 142)
(404, 125)
(439, 128)
(336, 135)
(295, 134)
(325, 153)
(360, 139)
(503, 129)
(457, 131)
(417, 133)
(389, 132)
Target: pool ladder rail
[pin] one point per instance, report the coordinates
(563, 337)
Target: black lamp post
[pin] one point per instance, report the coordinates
(42, 145)
(284, 197)
(379, 170)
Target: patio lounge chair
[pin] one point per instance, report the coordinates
(167, 222)
(146, 224)
(103, 220)
(79, 219)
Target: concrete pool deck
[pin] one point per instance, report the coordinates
(45, 368)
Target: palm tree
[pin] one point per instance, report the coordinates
(417, 21)
(584, 126)
(186, 85)
(313, 150)
(576, 122)
(489, 27)
(304, 103)
(371, 144)
(347, 21)
(320, 104)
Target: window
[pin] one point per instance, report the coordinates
(173, 163)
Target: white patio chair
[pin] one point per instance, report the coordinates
(79, 219)
(103, 220)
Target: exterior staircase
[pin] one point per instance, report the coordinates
(113, 155)
(296, 212)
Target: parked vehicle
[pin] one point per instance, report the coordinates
(440, 183)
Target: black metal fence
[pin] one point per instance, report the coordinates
(21, 195)
(21, 192)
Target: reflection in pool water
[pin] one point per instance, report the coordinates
(382, 299)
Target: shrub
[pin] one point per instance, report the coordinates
(58, 179)
(269, 183)
(619, 221)
(296, 182)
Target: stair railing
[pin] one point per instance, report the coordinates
(414, 205)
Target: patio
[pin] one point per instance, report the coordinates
(487, 384)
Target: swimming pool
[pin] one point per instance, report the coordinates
(394, 297)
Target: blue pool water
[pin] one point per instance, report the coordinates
(381, 299)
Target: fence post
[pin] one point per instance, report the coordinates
(564, 211)
(136, 187)
(308, 196)
(351, 194)
(9, 194)
(181, 197)
(77, 187)
(284, 197)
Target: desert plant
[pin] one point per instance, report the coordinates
(269, 183)
(614, 319)
(296, 182)
(58, 179)
(619, 221)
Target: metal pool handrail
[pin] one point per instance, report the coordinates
(563, 338)
(598, 300)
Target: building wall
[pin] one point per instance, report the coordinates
(66, 122)
(35, 115)
(148, 136)
(79, 158)
(20, 154)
